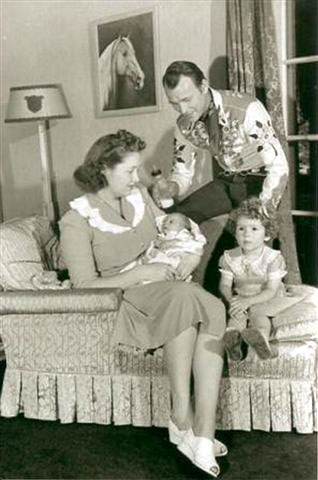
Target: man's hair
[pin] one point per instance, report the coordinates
(181, 67)
(107, 151)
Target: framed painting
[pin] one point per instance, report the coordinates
(125, 63)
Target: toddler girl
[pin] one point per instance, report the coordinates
(251, 282)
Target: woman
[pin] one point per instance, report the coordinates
(102, 237)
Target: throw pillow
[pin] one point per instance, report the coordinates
(26, 246)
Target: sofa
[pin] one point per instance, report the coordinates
(59, 365)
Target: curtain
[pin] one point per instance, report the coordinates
(253, 69)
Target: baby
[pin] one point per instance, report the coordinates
(177, 236)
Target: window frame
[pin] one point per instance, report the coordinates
(288, 90)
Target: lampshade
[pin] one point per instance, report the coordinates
(36, 102)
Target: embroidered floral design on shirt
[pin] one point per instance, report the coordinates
(264, 136)
(196, 133)
(233, 140)
(177, 151)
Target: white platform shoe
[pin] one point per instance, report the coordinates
(200, 451)
(176, 436)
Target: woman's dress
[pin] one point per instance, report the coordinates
(97, 241)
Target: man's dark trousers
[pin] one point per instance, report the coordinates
(219, 196)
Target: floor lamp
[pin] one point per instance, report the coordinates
(39, 103)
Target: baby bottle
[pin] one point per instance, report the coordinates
(167, 201)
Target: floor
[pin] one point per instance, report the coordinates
(32, 449)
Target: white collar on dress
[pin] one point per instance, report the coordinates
(83, 207)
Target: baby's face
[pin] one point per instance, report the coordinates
(174, 222)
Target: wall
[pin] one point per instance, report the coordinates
(48, 42)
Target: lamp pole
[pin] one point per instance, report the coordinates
(40, 103)
(48, 209)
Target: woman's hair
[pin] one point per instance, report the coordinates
(107, 151)
(172, 75)
(252, 208)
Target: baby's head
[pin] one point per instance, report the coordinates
(252, 209)
(175, 222)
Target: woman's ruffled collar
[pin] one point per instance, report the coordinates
(83, 207)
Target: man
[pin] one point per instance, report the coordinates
(237, 131)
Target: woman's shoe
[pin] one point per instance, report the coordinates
(256, 339)
(220, 450)
(200, 451)
(176, 436)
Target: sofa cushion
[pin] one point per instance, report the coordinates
(28, 246)
(300, 321)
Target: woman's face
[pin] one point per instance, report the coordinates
(123, 176)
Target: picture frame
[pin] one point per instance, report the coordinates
(125, 63)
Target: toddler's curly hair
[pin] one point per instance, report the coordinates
(107, 151)
(252, 208)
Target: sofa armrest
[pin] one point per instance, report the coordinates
(81, 300)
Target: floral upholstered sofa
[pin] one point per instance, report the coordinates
(59, 365)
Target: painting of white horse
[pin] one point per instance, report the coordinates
(118, 62)
(125, 63)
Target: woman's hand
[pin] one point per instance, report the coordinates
(155, 272)
(189, 262)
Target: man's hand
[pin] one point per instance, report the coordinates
(268, 208)
(188, 264)
(164, 189)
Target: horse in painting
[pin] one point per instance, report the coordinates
(117, 61)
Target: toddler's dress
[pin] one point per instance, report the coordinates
(250, 278)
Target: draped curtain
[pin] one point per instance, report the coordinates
(253, 69)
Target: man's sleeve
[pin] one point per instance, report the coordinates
(183, 163)
(258, 127)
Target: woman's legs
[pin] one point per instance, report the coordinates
(178, 358)
(204, 354)
(207, 371)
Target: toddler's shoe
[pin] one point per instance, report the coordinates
(256, 339)
(233, 344)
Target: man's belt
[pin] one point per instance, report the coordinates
(243, 173)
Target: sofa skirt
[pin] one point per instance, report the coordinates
(244, 403)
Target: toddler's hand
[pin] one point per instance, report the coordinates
(239, 305)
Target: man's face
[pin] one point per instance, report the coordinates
(189, 99)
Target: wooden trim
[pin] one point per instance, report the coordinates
(304, 213)
(311, 137)
(299, 60)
